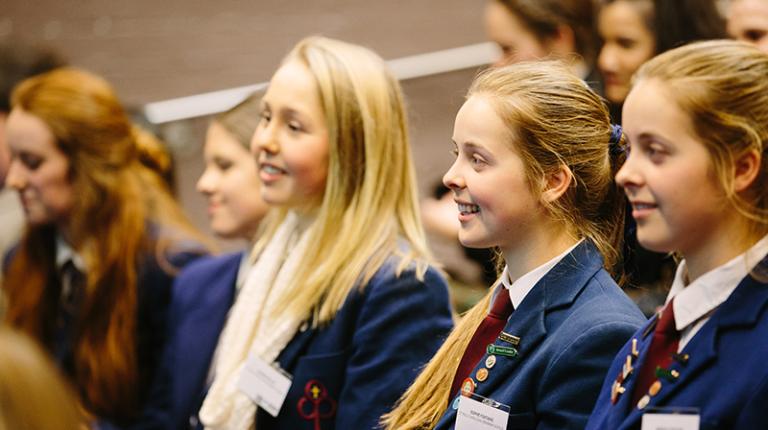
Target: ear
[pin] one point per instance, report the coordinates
(746, 168)
(563, 42)
(557, 183)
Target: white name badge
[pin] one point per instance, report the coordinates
(480, 413)
(670, 421)
(266, 385)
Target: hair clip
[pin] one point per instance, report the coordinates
(615, 140)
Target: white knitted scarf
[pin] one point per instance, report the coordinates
(251, 332)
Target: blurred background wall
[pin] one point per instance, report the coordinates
(153, 51)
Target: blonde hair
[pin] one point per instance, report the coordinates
(370, 201)
(722, 85)
(33, 395)
(554, 120)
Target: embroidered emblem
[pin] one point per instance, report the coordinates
(316, 405)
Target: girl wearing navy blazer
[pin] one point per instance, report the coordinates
(697, 123)
(204, 291)
(342, 303)
(91, 278)
(533, 176)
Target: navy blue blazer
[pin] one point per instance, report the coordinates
(202, 295)
(363, 361)
(570, 326)
(725, 376)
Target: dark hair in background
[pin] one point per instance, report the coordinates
(19, 61)
(678, 22)
(544, 16)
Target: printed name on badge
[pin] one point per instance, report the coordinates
(267, 386)
(670, 421)
(479, 413)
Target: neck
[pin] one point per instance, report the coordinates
(719, 247)
(536, 249)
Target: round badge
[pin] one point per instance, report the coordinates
(482, 374)
(654, 388)
(468, 387)
(455, 405)
(643, 402)
(490, 361)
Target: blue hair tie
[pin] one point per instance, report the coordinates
(615, 140)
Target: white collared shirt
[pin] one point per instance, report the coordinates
(65, 253)
(524, 284)
(695, 302)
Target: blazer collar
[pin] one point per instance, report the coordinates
(741, 309)
(558, 288)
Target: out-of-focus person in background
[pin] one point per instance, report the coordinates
(91, 278)
(33, 393)
(632, 32)
(18, 61)
(748, 22)
(527, 30)
(204, 291)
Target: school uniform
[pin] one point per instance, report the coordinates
(202, 295)
(153, 291)
(366, 358)
(569, 320)
(719, 369)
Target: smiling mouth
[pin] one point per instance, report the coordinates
(643, 206)
(466, 208)
(272, 170)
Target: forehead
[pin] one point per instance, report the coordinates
(478, 122)
(292, 83)
(27, 131)
(624, 17)
(749, 13)
(650, 106)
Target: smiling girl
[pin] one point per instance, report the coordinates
(696, 177)
(342, 306)
(533, 176)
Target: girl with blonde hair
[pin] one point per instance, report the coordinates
(533, 176)
(342, 297)
(91, 277)
(696, 176)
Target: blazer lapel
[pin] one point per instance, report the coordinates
(741, 309)
(558, 288)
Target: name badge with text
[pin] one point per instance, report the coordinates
(479, 413)
(663, 418)
(266, 385)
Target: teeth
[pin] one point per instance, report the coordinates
(644, 206)
(272, 170)
(468, 209)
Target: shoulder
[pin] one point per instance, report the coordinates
(211, 265)
(417, 279)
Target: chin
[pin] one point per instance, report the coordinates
(654, 244)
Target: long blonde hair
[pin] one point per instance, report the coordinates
(554, 120)
(370, 199)
(33, 394)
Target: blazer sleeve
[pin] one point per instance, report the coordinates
(573, 379)
(402, 323)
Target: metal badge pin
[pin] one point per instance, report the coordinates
(635, 352)
(616, 391)
(502, 350)
(482, 374)
(455, 404)
(643, 402)
(490, 361)
(468, 387)
(627, 368)
(654, 388)
(681, 358)
(509, 338)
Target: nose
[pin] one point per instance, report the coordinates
(204, 185)
(264, 139)
(452, 179)
(606, 60)
(15, 178)
(628, 176)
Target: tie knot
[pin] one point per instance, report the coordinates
(502, 305)
(666, 324)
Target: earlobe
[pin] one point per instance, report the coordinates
(557, 183)
(746, 168)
